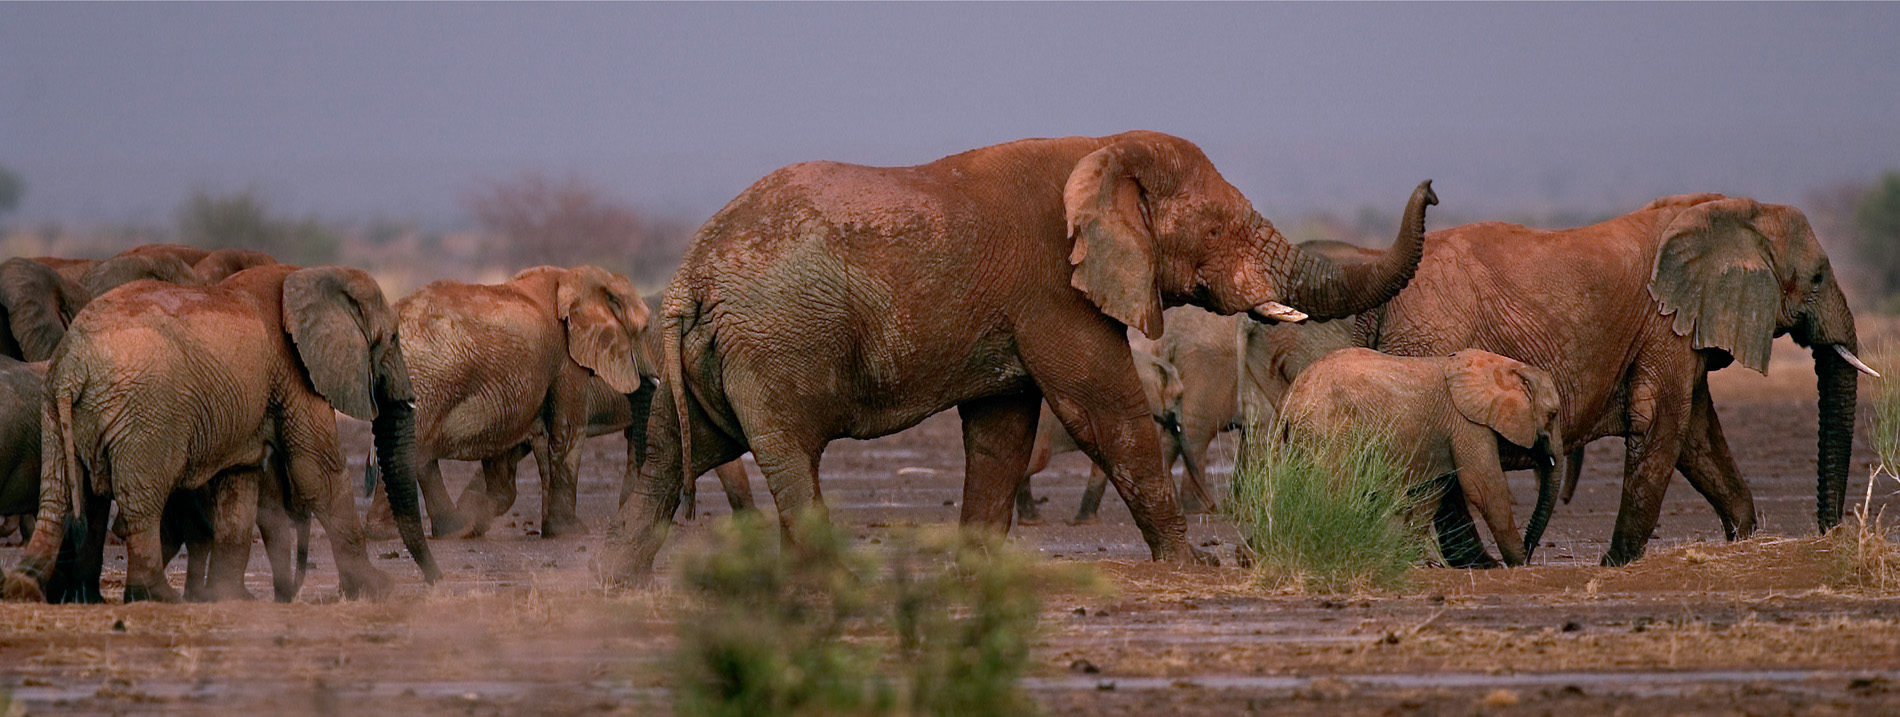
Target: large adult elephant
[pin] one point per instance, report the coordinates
(493, 365)
(1629, 316)
(832, 300)
(159, 388)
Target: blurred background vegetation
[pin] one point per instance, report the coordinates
(534, 218)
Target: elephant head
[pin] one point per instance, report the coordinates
(1736, 273)
(604, 317)
(345, 336)
(1520, 403)
(1154, 224)
(36, 306)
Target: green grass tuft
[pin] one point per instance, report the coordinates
(929, 623)
(1331, 515)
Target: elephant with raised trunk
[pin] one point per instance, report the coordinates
(1629, 316)
(160, 388)
(832, 300)
(1447, 418)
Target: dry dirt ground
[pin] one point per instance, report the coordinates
(519, 627)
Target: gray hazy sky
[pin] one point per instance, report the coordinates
(116, 111)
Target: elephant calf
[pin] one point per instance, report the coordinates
(1445, 416)
(1162, 385)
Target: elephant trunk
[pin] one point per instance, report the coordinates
(1551, 468)
(394, 430)
(1828, 330)
(1836, 381)
(1325, 290)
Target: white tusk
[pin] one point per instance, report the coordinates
(1855, 361)
(1281, 312)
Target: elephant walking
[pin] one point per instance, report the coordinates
(1629, 316)
(832, 300)
(160, 388)
(497, 366)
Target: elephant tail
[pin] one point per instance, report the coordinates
(673, 328)
(65, 457)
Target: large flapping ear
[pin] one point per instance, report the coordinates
(1493, 391)
(329, 328)
(1715, 271)
(1114, 252)
(605, 317)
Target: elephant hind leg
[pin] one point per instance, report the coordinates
(639, 528)
(999, 433)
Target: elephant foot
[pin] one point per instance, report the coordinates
(623, 563)
(162, 592)
(1090, 519)
(451, 525)
(1029, 520)
(372, 584)
(555, 526)
(1616, 559)
(1190, 556)
(20, 587)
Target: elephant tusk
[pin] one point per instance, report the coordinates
(1855, 361)
(1277, 311)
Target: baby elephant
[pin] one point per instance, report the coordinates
(1445, 416)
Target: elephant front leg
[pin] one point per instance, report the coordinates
(1653, 446)
(560, 487)
(1482, 479)
(1458, 541)
(998, 435)
(494, 493)
(1711, 469)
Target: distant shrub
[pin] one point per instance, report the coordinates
(1327, 515)
(244, 220)
(802, 631)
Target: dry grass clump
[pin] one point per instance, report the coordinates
(1328, 515)
(933, 623)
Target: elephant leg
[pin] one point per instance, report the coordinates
(488, 498)
(1481, 478)
(1027, 512)
(1458, 539)
(235, 518)
(444, 520)
(1101, 403)
(1710, 468)
(314, 474)
(999, 433)
(738, 487)
(639, 528)
(790, 467)
(144, 550)
(1658, 415)
(561, 486)
(1087, 513)
(280, 531)
(88, 554)
(639, 402)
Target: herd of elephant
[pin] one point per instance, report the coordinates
(1113, 295)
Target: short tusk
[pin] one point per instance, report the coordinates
(1280, 312)
(1855, 361)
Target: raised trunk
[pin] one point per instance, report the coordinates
(1835, 382)
(1551, 467)
(395, 435)
(1325, 290)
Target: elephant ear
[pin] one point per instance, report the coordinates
(1114, 252)
(37, 304)
(1494, 391)
(327, 325)
(604, 316)
(1715, 271)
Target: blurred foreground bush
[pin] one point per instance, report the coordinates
(1327, 515)
(930, 622)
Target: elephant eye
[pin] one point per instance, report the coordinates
(1817, 277)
